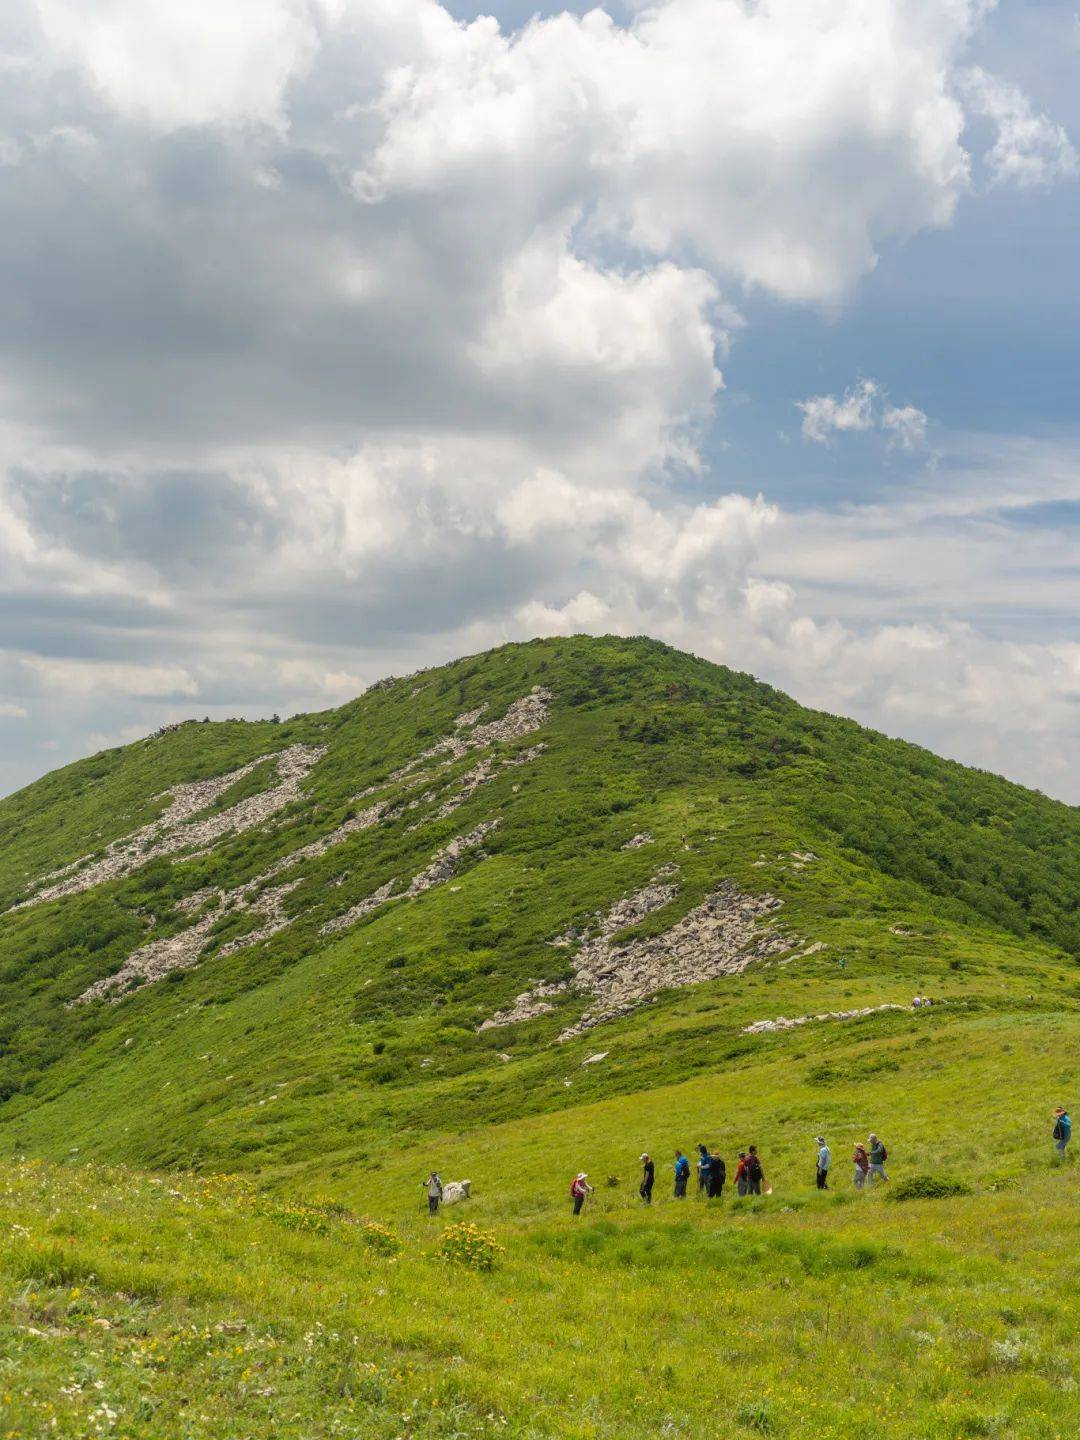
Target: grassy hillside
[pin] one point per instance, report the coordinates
(201, 1306)
(270, 950)
(926, 876)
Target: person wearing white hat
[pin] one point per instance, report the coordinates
(579, 1188)
(648, 1176)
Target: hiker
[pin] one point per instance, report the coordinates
(648, 1176)
(717, 1176)
(704, 1165)
(579, 1188)
(878, 1156)
(1062, 1130)
(741, 1181)
(862, 1165)
(824, 1160)
(755, 1175)
(682, 1174)
(434, 1192)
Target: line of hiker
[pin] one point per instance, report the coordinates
(868, 1162)
(712, 1174)
(868, 1167)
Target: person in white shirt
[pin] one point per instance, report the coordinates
(433, 1186)
(824, 1160)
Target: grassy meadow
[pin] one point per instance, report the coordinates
(212, 1306)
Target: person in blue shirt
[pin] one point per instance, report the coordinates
(824, 1160)
(1062, 1130)
(704, 1169)
(682, 1174)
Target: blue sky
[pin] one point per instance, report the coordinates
(343, 338)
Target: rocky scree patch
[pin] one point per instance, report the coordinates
(721, 936)
(175, 831)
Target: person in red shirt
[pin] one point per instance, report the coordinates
(741, 1180)
(862, 1166)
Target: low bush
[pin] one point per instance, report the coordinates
(927, 1187)
(756, 1416)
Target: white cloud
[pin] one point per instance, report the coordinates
(823, 414)
(80, 677)
(1029, 149)
(11, 711)
(741, 171)
(863, 407)
(185, 62)
(907, 423)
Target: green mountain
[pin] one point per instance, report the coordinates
(537, 911)
(538, 853)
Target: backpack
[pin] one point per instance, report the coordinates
(753, 1167)
(884, 1154)
(573, 1189)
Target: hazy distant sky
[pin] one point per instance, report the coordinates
(339, 337)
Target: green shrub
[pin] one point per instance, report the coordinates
(757, 1416)
(927, 1187)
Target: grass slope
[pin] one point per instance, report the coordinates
(233, 1312)
(332, 1071)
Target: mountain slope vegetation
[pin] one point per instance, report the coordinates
(538, 910)
(349, 928)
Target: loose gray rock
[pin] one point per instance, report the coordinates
(721, 936)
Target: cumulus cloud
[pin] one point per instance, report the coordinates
(340, 335)
(1029, 149)
(172, 64)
